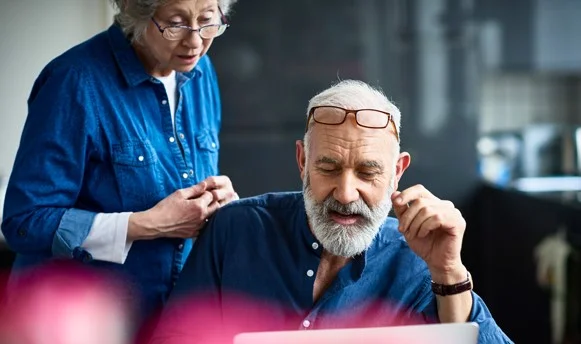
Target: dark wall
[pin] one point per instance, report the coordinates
(517, 21)
(500, 251)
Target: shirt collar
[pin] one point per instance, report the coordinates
(130, 65)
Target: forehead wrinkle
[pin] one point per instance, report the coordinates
(338, 141)
(359, 151)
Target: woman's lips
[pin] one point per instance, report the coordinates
(188, 59)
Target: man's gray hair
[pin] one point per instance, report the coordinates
(354, 94)
(134, 15)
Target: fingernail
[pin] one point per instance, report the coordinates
(399, 200)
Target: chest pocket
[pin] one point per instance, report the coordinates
(136, 166)
(208, 148)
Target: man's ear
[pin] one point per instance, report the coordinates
(301, 157)
(403, 162)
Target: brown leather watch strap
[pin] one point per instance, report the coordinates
(453, 289)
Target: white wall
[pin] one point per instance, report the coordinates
(33, 32)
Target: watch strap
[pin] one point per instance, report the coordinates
(452, 289)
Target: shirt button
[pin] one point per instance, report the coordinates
(21, 232)
(185, 175)
(315, 246)
(191, 172)
(306, 323)
(172, 139)
(180, 246)
(213, 145)
(182, 136)
(310, 273)
(140, 158)
(164, 102)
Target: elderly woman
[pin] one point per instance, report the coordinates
(118, 161)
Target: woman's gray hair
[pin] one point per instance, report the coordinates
(354, 94)
(134, 15)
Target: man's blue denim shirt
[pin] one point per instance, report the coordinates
(262, 248)
(99, 138)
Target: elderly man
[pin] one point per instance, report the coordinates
(330, 256)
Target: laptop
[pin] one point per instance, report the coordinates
(457, 333)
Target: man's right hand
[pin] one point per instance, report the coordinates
(180, 215)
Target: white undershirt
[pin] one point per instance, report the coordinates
(107, 239)
(170, 84)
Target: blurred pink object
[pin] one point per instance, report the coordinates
(65, 304)
(199, 320)
(203, 319)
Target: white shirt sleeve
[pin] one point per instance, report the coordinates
(107, 239)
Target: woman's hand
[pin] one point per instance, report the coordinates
(221, 188)
(183, 213)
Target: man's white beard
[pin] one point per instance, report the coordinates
(345, 240)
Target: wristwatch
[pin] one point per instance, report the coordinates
(453, 289)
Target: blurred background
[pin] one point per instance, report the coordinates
(490, 94)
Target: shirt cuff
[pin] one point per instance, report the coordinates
(107, 240)
(73, 228)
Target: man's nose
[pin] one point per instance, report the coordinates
(346, 189)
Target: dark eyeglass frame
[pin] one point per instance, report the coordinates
(354, 112)
(191, 29)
